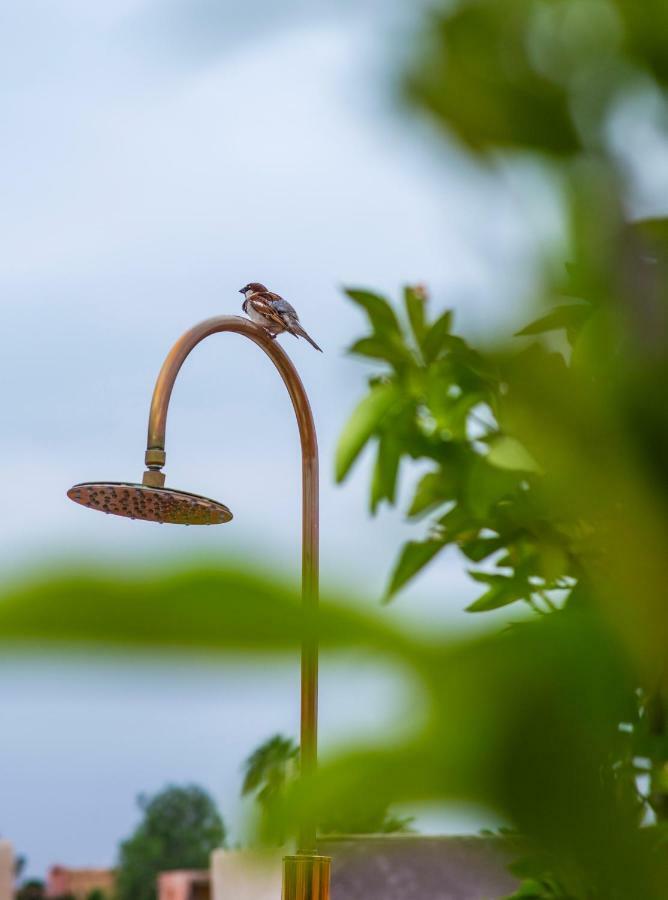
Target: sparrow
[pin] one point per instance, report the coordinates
(272, 312)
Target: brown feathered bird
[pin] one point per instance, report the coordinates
(272, 312)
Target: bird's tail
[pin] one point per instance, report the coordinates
(298, 331)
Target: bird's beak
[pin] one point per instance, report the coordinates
(241, 292)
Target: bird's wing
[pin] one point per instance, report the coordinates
(263, 305)
(274, 307)
(285, 309)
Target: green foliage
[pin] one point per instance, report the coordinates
(31, 890)
(96, 894)
(179, 829)
(268, 769)
(506, 719)
(546, 461)
(543, 472)
(538, 75)
(274, 766)
(444, 403)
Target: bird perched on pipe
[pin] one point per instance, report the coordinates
(272, 312)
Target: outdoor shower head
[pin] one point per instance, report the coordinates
(153, 504)
(306, 873)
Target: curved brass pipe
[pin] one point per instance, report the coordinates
(155, 460)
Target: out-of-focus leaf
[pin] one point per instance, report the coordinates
(552, 561)
(415, 299)
(477, 78)
(392, 351)
(507, 452)
(458, 525)
(486, 485)
(537, 890)
(433, 341)
(433, 489)
(503, 590)
(195, 609)
(363, 423)
(414, 557)
(480, 548)
(452, 412)
(570, 316)
(504, 730)
(653, 230)
(384, 480)
(647, 34)
(380, 313)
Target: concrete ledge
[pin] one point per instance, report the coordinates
(415, 867)
(380, 867)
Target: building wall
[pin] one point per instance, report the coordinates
(186, 884)
(79, 882)
(6, 871)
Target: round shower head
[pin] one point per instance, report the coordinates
(154, 504)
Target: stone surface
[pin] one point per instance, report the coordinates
(383, 867)
(412, 867)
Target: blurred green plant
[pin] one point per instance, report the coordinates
(179, 829)
(542, 472)
(31, 890)
(525, 723)
(274, 765)
(546, 462)
(269, 768)
(536, 75)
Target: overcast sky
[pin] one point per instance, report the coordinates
(155, 158)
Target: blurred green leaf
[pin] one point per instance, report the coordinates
(434, 339)
(506, 452)
(196, 609)
(380, 313)
(362, 424)
(647, 34)
(415, 300)
(388, 350)
(414, 557)
(503, 590)
(476, 75)
(653, 230)
(479, 548)
(486, 485)
(504, 730)
(434, 488)
(386, 469)
(571, 316)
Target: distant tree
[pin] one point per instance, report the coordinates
(270, 768)
(35, 890)
(180, 828)
(96, 894)
(31, 890)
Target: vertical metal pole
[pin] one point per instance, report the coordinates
(306, 874)
(309, 651)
